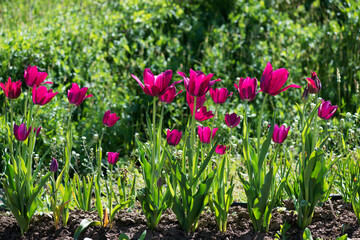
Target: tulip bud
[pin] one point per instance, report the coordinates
(110, 119)
(220, 149)
(326, 111)
(37, 131)
(219, 95)
(232, 120)
(21, 133)
(54, 165)
(159, 182)
(12, 90)
(280, 133)
(247, 88)
(173, 137)
(113, 157)
(205, 134)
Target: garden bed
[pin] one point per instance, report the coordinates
(327, 224)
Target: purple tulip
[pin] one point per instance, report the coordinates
(12, 90)
(326, 111)
(199, 102)
(155, 85)
(113, 157)
(272, 81)
(198, 84)
(42, 96)
(21, 133)
(33, 77)
(247, 88)
(76, 95)
(169, 95)
(37, 131)
(219, 95)
(220, 149)
(173, 137)
(280, 133)
(313, 86)
(232, 120)
(54, 166)
(202, 114)
(110, 119)
(205, 134)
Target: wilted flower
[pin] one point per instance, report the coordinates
(202, 114)
(326, 111)
(169, 95)
(42, 96)
(21, 133)
(198, 84)
(280, 133)
(272, 81)
(247, 88)
(113, 157)
(12, 90)
(232, 120)
(76, 95)
(219, 95)
(313, 86)
(199, 102)
(110, 119)
(205, 134)
(220, 149)
(173, 137)
(54, 166)
(33, 77)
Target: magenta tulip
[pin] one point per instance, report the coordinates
(313, 86)
(199, 102)
(220, 149)
(326, 111)
(232, 120)
(173, 137)
(219, 95)
(272, 81)
(54, 166)
(42, 96)
(198, 84)
(12, 90)
(205, 134)
(37, 131)
(21, 133)
(247, 88)
(110, 119)
(33, 77)
(202, 114)
(169, 95)
(113, 157)
(76, 95)
(155, 85)
(280, 133)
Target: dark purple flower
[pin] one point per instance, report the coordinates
(173, 137)
(21, 133)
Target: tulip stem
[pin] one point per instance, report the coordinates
(11, 130)
(110, 197)
(26, 103)
(259, 124)
(154, 142)
(213, 123)
(192, 138)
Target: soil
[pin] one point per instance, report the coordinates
(327, 224)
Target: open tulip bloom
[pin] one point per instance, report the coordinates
(33, 77)
(326, 111)
(110, 119)
(232, 120)
(202, 114)
(219, 95)
(199, 102)
(12, 90)
(76, 95)
(220, 149)
(42, 96)
(247, 88)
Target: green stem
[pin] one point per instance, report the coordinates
(111, 193)
(153, 153)
(11, 130)
(26, 103)
(213, 122)
(259, 124)
(192, 139)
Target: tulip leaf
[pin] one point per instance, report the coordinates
(84, 224)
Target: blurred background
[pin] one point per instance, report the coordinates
(98, 44)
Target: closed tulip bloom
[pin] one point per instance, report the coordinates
(12, 90)
(272, 81)
(169, 95)
(37, 131)
(54, 166)
(247, 88)
(205, 134)
(198, 84)
(232, 120)
(76, 95)
(42, 96)
(33, 77)
(220, 149)
(280, 133)
(326, 111)
(219, 95)
(199, 102)
(313, 86)
(202, 114)
(110, 119)
(113, 157)
(155, 85)
(173, 137)
(21, 133)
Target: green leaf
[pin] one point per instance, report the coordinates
(123, 236)
(307, 234)
(83, 226)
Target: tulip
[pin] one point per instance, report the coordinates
(169, 95)
(173, 137)
(272, 81)
(205, 134)
(198, 84)
(326, 111)
(12, 90)
(76, 95)
(203, 114)
(109, 120)
(232, 120)
(219, 95)
(113, 157)
(199, 102)
(280, 133)
(37, 131)
(247, 88)
(155, 85)
(220, 149)
(54, 166)
(20, 132)
(313, 86)
(33, 77)
(42, 96)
